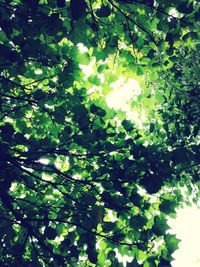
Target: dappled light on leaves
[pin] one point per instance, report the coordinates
(99, 130)
(120, 98)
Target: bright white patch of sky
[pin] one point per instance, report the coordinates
(44, 161)
(88, 69)
(119, 99)
(187, 228)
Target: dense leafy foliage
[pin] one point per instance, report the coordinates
(80, 183)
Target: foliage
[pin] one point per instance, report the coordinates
(80, 183)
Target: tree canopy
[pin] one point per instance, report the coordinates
(81, 184)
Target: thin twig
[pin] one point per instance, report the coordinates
(134, 22)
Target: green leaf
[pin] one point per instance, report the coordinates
(104, 11)
(185, 7)
(128, 125)
(59, 229)
(74, 252)
(83, 59)
(152, 183)
(140, 255)
(167, 206)
(97, 110)
(7, 131)
(160, 226)
(50, 233)
(138, 222)
(159, 97)
(60, 113)
(164, 263)
(111, 255)
(151, 127)
(92, 255)
(134, 263)
(190, 35)
(171, 242)
(179, 155)
(150, 262)
(94, 80)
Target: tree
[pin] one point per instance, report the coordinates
(72, 169)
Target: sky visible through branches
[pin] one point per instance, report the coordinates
(99, 132)
(186, 223)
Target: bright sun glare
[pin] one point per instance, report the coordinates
(119, 99)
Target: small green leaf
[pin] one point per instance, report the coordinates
(159, 97)
(150, 262)
(92, 255)
(128, 125)
(50, 233)
(141, 255)
(137, 222)
(160, 226)
(133, 263)
(97, 110)
(171, 242)
(190, 35)
(151, 127)
(104, 11)
(59, 229)
(111, 255)
(185, 7)
(94, 79)
(167, 206)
